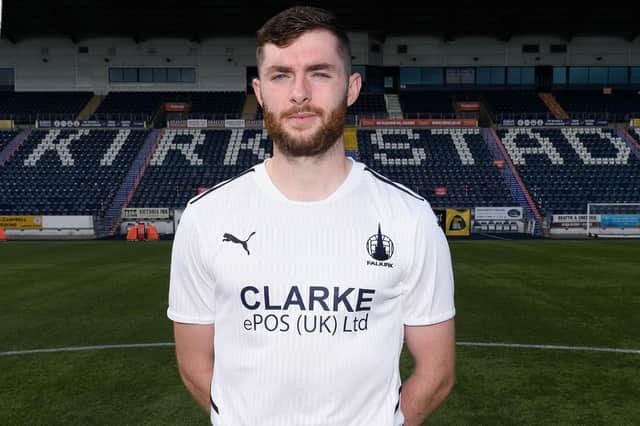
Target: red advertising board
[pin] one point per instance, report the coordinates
(468, 106)
(440, 190)
(175, 106)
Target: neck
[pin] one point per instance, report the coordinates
(309, 178)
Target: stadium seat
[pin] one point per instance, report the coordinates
(68, 171)
(427, 104)
(564, 169)
(619, 106)
(430, 160)
(369, 105)
(188, 159)
(143, 105)
(512, 104)
(27, 107)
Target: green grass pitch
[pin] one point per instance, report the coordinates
(574, 293)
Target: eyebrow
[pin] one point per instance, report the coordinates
(310, 68)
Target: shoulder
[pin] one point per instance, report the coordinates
(390, 188)
(224, 191)
(390, 184)
(203, 212)
(403, 201)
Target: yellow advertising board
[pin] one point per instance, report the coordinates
(6, 124)
(351, 139)
(21, 222)
(458, 222)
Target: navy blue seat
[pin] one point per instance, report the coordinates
(512, 104)
(369, 105)
(216, 105)
(27, 107)
(427, 104)
(143, 105)
(186, 160)
(430, 161)
(564, 169)
(618, 106)
(68, 171)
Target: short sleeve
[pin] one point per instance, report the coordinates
(191, 286)
(429, 289)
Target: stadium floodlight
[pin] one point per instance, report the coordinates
(613, 220)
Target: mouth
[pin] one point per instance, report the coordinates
(301, 116)
(302, 120)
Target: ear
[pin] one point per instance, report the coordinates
(256, 89)
(353, 91)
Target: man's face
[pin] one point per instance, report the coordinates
(305, 139)
(305, 92)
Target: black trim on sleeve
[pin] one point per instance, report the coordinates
(213, 405)
(394, 184)
(398, 403)
(220, 185)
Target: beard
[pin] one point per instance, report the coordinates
(319, 142)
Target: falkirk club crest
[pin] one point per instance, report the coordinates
(380, 248)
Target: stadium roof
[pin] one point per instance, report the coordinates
(198, 19)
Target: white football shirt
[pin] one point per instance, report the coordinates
(309, 299)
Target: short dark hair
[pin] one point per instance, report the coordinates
(285, 27)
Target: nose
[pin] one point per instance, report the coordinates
(300, 93)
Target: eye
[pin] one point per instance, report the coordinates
(321, 75)
(277, 77)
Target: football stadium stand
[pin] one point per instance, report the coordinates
(67, 172)
(426, 104)
(96, 172)
(449, 167)
(27, 107)
(618, 106)
(369, 105)
(144, 105)
(188, 160)
(564, 169)
(6, 136)
(510, 104)
(216, 105)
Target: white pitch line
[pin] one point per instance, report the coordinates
(478, 344)
(495, 237)
(86, 348)
(551, 347)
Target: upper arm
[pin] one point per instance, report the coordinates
(194, 345)
(433, 348)
(191, 282)
(429, 287)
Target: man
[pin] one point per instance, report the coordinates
(294, 283)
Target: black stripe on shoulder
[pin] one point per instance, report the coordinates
(213, 405)
(392, 183)
(220, 185)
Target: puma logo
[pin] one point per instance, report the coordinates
(234, 239)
